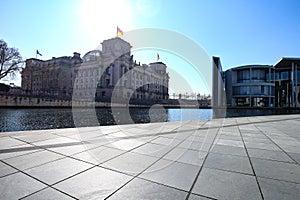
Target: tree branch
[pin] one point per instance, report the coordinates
(10, 60)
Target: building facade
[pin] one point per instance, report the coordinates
(250, 86)
(99, 75)
(287, 82)
(50, 78)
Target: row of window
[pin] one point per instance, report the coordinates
(243, 76)
(286, 75)
(254, 102)
(253, 90)
(257, 75)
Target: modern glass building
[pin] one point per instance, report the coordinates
(287, 82)
(250, 86)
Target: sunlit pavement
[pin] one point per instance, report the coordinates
(234, 158)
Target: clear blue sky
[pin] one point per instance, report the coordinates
(239, 31)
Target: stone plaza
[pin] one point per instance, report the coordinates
(232, 158)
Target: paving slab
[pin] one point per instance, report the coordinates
(34, 159)
(48, 194)
(226, 136)
(197, 197)
(291, 149)
(226, 185)
(35, 137)
(71, 149)
(126, 144)
(233, 143)
(142, 189)
(171, 173)
(226, 149)
(152, 149)
(188, 156)
(295, 156)
(6, 169)
(278, 190)
(96, 183)
(256, 145)
(98, 155)
(130, 163)
(9, 142)
(18, 185)
(57, 170)
(269, 155)
(166, 141)
(228, 162)
(276, 170)
(194, 145)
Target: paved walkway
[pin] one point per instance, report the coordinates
(235, 158)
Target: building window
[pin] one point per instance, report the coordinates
(243, 76)
(258, 74)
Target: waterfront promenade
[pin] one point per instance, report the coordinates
(232, 158)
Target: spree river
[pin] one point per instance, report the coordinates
(50, 118)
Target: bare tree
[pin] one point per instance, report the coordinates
(10, 60)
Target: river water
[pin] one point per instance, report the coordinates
(50, 118)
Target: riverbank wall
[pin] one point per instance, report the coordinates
(9, 101)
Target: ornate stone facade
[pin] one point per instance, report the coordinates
(50, 78)
(110, 74)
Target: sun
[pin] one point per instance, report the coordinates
(99, 19)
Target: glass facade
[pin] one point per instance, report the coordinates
(251, 86)
(286, 94)
(253, 90)
(264, 85)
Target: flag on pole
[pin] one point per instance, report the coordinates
(38, 53)
(119, 31)
(158, 57)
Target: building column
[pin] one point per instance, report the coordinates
(293, 85)
(111, 75)
(296, 86)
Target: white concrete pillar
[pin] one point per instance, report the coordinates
(293, 85)
(296, 85)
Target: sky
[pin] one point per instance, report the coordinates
(240, 32)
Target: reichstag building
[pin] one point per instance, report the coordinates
(99, 75)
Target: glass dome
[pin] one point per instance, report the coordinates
(92, 56)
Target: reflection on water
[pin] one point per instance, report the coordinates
(189, 114)
(36, 119)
